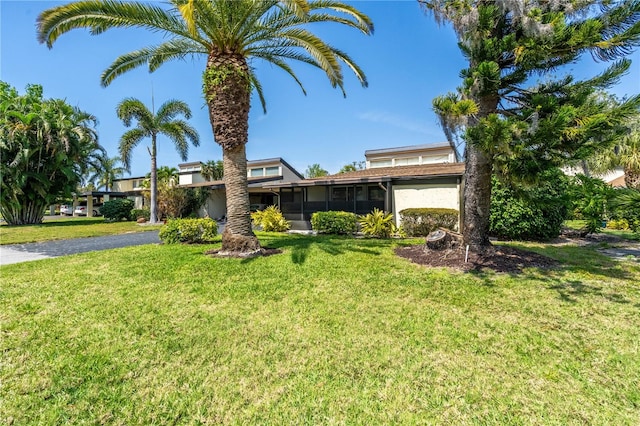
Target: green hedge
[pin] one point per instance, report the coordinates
(520, 212)
(419, 222)
(189, 231)
(117, 209)
(334, 222)
(140, 213)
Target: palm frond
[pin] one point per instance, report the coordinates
(128, 141)
(99, 16)
(172, 108)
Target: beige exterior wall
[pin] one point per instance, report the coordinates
(444, 195)
(123, 185)
(391, 159)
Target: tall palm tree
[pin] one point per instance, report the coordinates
(151, 125)
(230, 33)
(105, 170)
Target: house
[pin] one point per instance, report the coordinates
(132, 188)
(614, 178)
(259, 173)
(394, 179)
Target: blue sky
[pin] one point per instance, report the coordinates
(408, 61)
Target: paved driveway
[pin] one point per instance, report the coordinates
(16, 253)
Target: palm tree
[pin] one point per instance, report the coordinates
(151, 125)
(212, 170)
(105, 170)
(230, 33)
(625, 154)
(45, 147)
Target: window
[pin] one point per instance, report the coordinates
(409, 161)
(342, 193)
(376, 193)
(256, 172)
(272, 171)
(380, 163)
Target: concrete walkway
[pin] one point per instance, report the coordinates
(17, 253)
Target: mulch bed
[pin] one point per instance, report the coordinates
(497, 258)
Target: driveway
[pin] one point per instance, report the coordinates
(17, 253)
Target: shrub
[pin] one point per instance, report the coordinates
(188, 231)
(625, 207)
(334, 222)
(378, 224)
(270, 220)
(117, 209)
(419, 222)
(529, 213)
(589, 197)
(140, 213)
(621, 224)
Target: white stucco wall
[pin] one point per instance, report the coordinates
(425, 196)
(216, 205)
(185, 179)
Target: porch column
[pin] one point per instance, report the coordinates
(326, 198)
(388, 202)
(301, 203)
(74, 205)
(355, 204)
(90, 205)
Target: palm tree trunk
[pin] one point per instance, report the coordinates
(228, 94)
(237, 235)
(153, 208)
(631, 178)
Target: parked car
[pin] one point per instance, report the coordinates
(66, 209)
(82, 210)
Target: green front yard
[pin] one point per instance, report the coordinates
(66, 228)
(332, 331)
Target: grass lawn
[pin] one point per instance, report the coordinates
(65, 228)
(332, 331)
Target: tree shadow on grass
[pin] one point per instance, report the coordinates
(587, 262)
(299, 246)
(571, 261)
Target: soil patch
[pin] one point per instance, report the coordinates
(497, 258)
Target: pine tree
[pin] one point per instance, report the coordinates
(511, 126)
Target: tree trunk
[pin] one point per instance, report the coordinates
(631, 178)
(477, 199)
(153, 208)
(477, 184)
(228, 94)
(237, 235)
